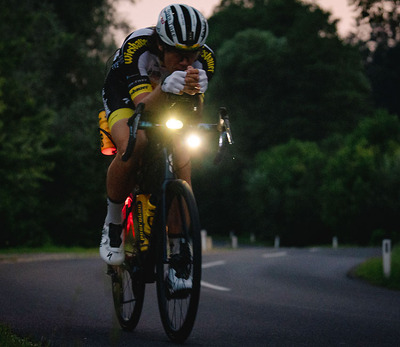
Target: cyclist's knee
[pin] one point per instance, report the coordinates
(120, 135)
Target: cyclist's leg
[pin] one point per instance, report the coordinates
(119, 185)
(182, 167)
(120, 177)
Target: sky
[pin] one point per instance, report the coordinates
(144, 13)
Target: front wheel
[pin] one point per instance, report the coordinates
(179, 268)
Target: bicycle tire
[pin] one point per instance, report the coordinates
(128, 289)
(178, 312)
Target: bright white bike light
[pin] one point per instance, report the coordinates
(174, 124)
(193, 141)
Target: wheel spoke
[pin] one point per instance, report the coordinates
(128, 295)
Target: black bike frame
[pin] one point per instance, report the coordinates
(135, 123)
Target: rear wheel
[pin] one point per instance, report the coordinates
(128, 293)
(179, 275)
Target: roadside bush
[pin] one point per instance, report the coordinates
(283, 193)
(348, 187)
(360, 182)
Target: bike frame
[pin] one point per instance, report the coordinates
(136, 122)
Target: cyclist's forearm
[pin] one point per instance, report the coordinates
(152, 100)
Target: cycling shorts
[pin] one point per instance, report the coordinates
(116, 99)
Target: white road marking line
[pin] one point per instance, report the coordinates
(213, 263)
(213, 286)
(314, 249)
(274, 255)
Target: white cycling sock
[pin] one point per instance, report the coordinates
(114, 212)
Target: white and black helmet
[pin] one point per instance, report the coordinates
(182, 26)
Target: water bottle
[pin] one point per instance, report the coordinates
(107, 144)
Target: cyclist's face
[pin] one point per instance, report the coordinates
(175, 60)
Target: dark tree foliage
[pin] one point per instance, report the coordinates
(52, 59)
(378, 34)
(378, 21)
(359, 196)
(290, 74)
(306, 193)
(284, 74)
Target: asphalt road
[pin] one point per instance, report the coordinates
(250, 297)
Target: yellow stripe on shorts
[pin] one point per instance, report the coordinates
(121, 113)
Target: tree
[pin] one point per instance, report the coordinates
(306, 193)
(249, 79)
(77, 187)
(282, 188)
(378, 22)
(359, 193)
(278, 89)
(26, 118)
(378, 34)
(283, 73)
(52, 63)
(288, 18)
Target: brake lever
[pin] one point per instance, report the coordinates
(224, 129)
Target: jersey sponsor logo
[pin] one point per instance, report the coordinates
(136, 80)
(141, 88)
(209, 59)
(132, 48)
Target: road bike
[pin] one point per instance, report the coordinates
(148, 258)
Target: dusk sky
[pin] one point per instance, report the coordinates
(145, 12)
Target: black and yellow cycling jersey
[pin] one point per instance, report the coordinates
(136, 69)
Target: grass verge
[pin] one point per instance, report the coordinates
(47, 249)
(372, 271)
(45, 253)
(9, 339)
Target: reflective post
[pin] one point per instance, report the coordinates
(204, 240)
(277, 242)
(386, 257)
(234, 241)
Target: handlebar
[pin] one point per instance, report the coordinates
(223, 127)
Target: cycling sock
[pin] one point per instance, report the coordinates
(114, 212)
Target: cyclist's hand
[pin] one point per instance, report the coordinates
(196, 81)
(203, 81)
(191, 81)
(174, 83)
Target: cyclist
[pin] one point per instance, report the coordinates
(151, 64)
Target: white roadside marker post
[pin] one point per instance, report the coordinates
(204, 240)
(277, 242)
(386, 256)
(335, 242)
(234, 242)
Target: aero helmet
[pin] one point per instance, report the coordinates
(182, 26)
